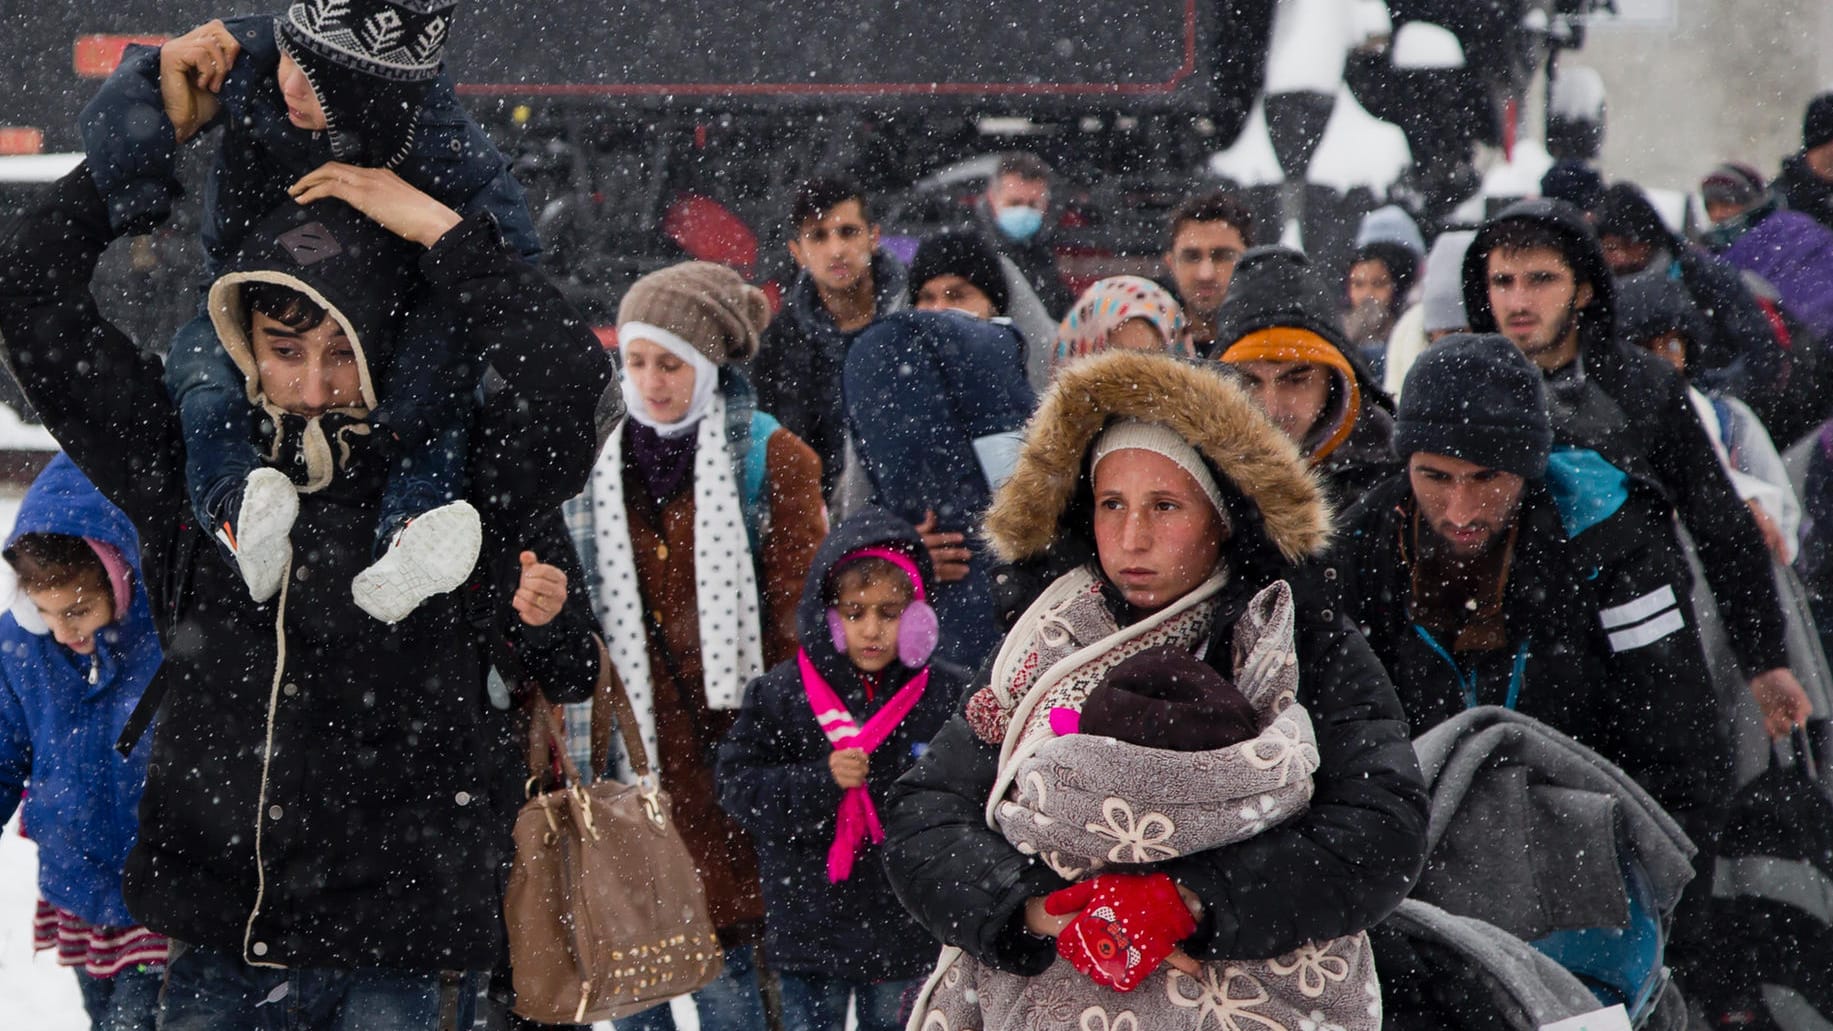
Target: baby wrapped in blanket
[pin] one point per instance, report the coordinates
(1139, 754)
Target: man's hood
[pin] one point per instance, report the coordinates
(1276, 505)
(1650, 305)
(869, 527)
(343, 261)
(1277, 286)
(1580, 246)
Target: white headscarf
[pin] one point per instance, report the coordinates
(706, 379)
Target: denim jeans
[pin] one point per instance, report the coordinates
(817, 1002)
(213, 990)
(424, 411)
(128, 1001)
(731, 1003)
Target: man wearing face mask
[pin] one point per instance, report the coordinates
(1015, 215)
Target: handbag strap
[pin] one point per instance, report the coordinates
(624, 714)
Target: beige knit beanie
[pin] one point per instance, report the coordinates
(710, 306)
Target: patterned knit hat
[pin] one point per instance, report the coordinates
(1109, 304)
(709, 306)
(370, 63)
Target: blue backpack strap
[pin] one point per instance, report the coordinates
(756, 465)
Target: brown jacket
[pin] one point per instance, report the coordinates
(687, 731)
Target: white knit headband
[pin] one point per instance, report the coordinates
(1156, 437)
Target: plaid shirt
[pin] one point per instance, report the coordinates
(578, 716)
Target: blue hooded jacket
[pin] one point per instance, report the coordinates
(58, 730)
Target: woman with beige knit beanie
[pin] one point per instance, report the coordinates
(696, 531)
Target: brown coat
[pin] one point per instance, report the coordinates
(687, 731)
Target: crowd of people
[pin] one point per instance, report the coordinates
(1081, 640)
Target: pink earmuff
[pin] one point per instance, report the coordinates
(917, 632)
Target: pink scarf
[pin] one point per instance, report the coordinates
(857, 818)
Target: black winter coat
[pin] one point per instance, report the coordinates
(1326, 874)
(322, 786)
(800, 359)
(1650, 708)
(1655, 433)
(774, 780)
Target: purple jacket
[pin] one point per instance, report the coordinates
(1795, 253)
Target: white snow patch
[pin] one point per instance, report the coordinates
(1578, 93)
(34, 991)
(1310, 40)
(37, 168)
(1358, 149)
(1519, 177)
(18, 435)
(1422, 45)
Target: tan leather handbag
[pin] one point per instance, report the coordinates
(606, 913)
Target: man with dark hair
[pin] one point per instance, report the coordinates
(1806, 179)
(844, 283)
(326, 816)
(1014, 213)
(1536, 274)
(1207, 235)
(1493, 570)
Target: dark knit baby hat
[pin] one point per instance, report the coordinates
(370, 63)
(1166, 698)
(1475, 396)
(964, 253)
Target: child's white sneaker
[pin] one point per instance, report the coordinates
(260, 534)
(432, 554)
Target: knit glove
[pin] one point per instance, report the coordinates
(1128, 924)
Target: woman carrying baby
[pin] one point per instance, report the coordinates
(1187, 786)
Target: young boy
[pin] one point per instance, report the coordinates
(817, 744)
(845, 284)
(76, 652)
(356, 82)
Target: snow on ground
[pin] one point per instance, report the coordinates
(34, 991)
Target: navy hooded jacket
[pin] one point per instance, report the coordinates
(57, 730)
(924, 392)
(774, 780)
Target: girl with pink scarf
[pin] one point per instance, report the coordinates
(818, 741)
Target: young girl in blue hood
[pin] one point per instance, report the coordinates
(817, 744)
(76, 652)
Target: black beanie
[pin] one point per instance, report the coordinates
(1624, 210)
(1817, 123)
(964, 253)
(1166, 698)
(370, 63)
(1475, 396)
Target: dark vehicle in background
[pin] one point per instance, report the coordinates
(651, 130)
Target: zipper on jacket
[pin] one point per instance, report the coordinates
(95, 668)
(1467, 683)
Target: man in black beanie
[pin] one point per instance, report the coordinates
(1496, 570)
(1806, 180)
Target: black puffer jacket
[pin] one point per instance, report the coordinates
(323, 787)
(774, 780)
(1649, 707)
(1335, 870)
(1653, 431)
(1276, 286)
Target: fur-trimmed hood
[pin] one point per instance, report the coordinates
(1270, 491)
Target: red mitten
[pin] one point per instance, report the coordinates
(1128, 925)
